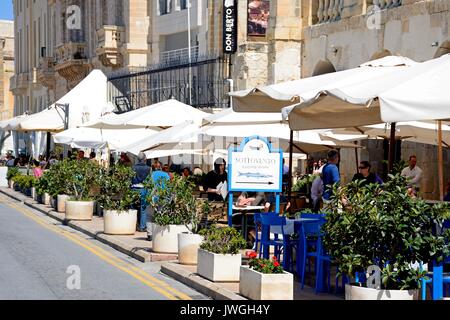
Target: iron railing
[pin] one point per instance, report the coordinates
(159, 83)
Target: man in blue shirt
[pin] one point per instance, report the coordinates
(330, 174)
(159, 178)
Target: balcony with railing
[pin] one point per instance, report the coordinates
(179, 56)
(71, 61)
(324, 11)
(110, 40)
(19, 83)
(46, 72)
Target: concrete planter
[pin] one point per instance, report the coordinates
(79, 210)
(47, 199)
(61, 203)
(219, 267)
(259, 286)
(165, 238)
(53, 202)
(188, 245)
(362, 293)
(11, 184)
(34, 193)
(120, 222)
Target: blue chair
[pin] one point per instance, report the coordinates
(309, 246)
(445, 278)
(311, 242)
(281, 245)
(258, 225)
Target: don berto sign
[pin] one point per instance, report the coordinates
(229, 26)
(254, 166)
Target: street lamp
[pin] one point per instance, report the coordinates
(189, 50)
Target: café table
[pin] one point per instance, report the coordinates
(244, 212)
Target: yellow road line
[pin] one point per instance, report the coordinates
(141, 275)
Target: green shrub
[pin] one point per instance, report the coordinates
(222, 240)
(26, 182)
(381, 225)
(82, 179)
(115, 189)
(173, 202)
(12, 173)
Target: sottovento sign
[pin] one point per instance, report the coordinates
(254, 166)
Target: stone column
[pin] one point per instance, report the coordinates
(284, 37)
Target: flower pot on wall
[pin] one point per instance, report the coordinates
(219, 267)
(188, 245)
(61, 203)
(363, 293)
(165, 238)
(79, 210)
(120, 222)
(259, 286)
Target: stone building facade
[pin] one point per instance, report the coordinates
(6, 72)
(58, 42)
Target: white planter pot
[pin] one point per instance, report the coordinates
(47, 199)
(79, 210)
(259, 286)
(188, 245)
(362, 293)
(34, 193)
(120, 222)
(61, 203)
(11, 184)
(165, 238)
(219, 267)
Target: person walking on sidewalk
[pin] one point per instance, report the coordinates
(142, 171)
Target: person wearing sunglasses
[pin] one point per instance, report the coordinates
(365, 174)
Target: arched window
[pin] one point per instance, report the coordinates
(323, 67)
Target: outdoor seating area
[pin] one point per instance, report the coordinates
(222, 189)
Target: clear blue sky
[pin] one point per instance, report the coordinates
(6, 10)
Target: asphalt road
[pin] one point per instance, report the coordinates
(44, 260)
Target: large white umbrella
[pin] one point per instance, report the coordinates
(86, 102)
(273, 98)
(419, 92)
(11, 124)
(165, 114)
(100, 138)
(415, 131)
(222, 131)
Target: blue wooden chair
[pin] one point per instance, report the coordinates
(284, 245)
(309, 246)
(258, 225)
(445, 278)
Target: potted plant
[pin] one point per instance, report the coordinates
(189, 242)
(380, 225)
(219, 258)
(58, 175)
(174, 212)
(42, 189)
(11, 174)
(82, 181)
(116, 198)
(26, 183)
(265, 279)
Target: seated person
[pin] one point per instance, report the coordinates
(251, 199)
(365, 174)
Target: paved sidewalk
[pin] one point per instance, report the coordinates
(137, 246)
(230, 291)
